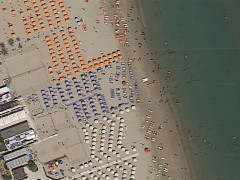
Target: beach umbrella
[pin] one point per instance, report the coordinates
(54, 81)
(124, 83)
(73, 169)
(146, 150)
(13, 35)
(127, 109)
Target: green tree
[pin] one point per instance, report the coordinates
(10, 41)
(20, 46)
(2, 45)
(4, 52)
(32, 166)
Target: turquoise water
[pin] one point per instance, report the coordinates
(208, 81)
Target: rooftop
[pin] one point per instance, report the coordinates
(14, 130)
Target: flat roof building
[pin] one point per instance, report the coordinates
(19, 174)
(14, 130)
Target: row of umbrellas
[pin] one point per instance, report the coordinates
(69, 51)
(46, 11)
(63, 8)
(95, 82)
(103, 103)
(77, 50)
(104, 60)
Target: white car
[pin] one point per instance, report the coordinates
(144, 80)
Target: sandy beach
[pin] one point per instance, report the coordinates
(79, 65)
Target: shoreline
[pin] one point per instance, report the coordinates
(172, 108)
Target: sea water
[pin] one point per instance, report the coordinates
(198, 48)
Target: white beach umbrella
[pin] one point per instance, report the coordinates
(100, 161)
(95, 177)
(109, 120)
(121, 111)
(134, 167)
(120, 128)
(112, 171)
(104, 126)
(103, 175)
(112, 127)
(104, 118)
(113, 123)
(134, 159)
(113, 115)
(127, 109)
(132, 176)
(103, 135)
(127, 151)
(107, 177)
(119, 141)
(110, 149)
(120, 133)
(99, 172)
(96, 158)
(114, 151)
(103, 131)
(102, 144)
(109, 158)
(118, 154)
(125, 170)
(87, 141)
(84, 129)
(134, 149)
(123, 148)
(91, 175)
(118, 117)
(87, 124)
(96, 121)
(130, 165)
(111, 136)
(101, 152)
(133, 107)
(86, 164)
(90, 163)
(116, 174)
(83, 178)
(94, 129)
(73, 169)
(102, 148)
(124, 175)
(121, 168)
(110, 145)
(94, 139)
(94, 143)
(122, 120)
(108, 169)
(92, 156)
(119, 145)
(91, 127)
(81, 166)
(133, 172)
